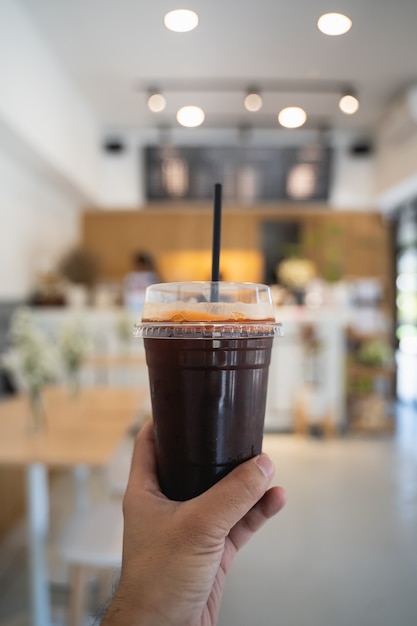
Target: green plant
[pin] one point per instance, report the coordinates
(80, 266)
(375, 353)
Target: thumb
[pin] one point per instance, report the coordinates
(228, 501)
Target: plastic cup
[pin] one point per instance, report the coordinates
(208, 348)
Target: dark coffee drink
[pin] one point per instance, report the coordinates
(208, 371)
(208, 401)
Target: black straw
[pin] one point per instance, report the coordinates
(215, 258)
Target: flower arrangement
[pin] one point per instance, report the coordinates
(296, 273)
(73, 347)
(124, 327)
(31, 360)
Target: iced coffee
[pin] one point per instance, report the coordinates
(208, 349)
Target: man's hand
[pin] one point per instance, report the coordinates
(176, 554)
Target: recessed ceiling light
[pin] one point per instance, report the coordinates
(292, 117)
(334, 24)
(156, 102)
(253, 101)
(190, 116)
(181, 20)
(348, 104)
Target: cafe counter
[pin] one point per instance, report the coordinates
(310, 356)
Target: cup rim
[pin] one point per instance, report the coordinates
(208, 330)
(246, 284)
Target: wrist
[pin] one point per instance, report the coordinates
(122, 612)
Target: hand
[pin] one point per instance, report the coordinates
(176, 554)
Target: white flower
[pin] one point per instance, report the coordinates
(73, 345)
(296, 273)
(124, 327)
(31, 358)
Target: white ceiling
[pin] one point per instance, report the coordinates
(112, 48)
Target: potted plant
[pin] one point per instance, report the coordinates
(80, 268)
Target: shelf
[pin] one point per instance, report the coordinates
(360, 427)
(357, 369)
(370, 390)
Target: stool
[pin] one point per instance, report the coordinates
(313, 413)
(92, 544)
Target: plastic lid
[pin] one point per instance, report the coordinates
(207, 330)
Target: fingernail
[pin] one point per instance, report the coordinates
(265, 465)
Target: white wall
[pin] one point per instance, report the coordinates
(396, 171)
(396, 151)
(48, 153)
(120, 177)
(41, 105)
(353, 177)
(38, 221)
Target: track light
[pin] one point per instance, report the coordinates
(349, 103)
(292, 117)
(190, 116)
(253, 100)
(156, 101)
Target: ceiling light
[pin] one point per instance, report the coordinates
(190, 116)
(253, 100)
(334, 24)
(181, 20)
(292, 117)
(156, 102)
(349, 104)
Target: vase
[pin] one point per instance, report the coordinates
(74, 383)
(76, 296)
(37, 419)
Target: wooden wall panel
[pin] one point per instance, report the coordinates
(346, 243)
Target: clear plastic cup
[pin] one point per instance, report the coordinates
(208, 348)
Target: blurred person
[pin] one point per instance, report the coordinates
(142, 275)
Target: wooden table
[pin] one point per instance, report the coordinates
(126, 369)
(81, 432)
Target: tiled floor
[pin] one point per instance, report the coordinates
(342, 553)
(344, 550)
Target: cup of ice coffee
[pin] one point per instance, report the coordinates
(208, 349)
